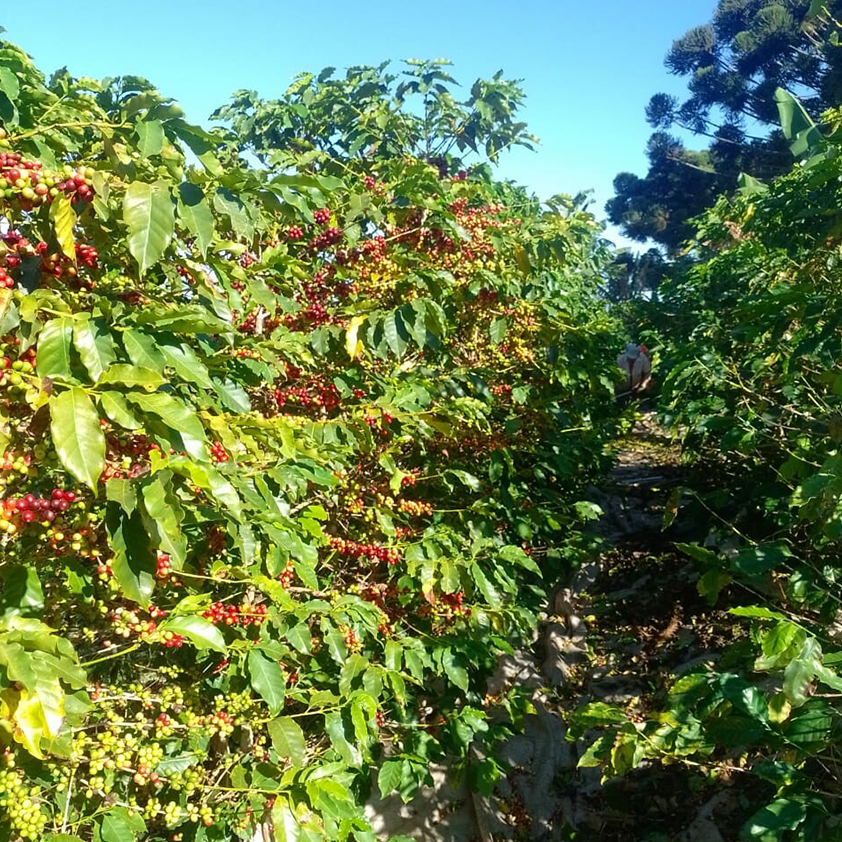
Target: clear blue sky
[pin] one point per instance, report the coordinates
(589, 66)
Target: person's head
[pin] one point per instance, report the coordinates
(632, 351)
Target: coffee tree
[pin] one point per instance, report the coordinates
(286, 447)
(752, 332)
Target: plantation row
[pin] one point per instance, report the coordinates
(295, 414)
(753, 337)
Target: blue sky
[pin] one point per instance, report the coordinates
(588, 67)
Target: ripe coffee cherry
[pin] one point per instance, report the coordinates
(321, 216)
(294, 232)
(164, 567)
(218, 452)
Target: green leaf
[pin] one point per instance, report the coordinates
(301, 638)
(702, 554)
(186, 364)
(396, 333)
(178, 763)
(132, 375)
(796, 124)
(335, 643)
(77, 435)
(210, 480)
(594, 715)
(745, 698)
(194, 211)
(232, 395)
(201, 143)
(64, 219)
(148, 211)
(453, 669)
(711, 583)
(179, 417)
(801, 671)
(143, 350)
(492, 597)
(518, 556)
(164, 510)
(288, 739)
(199, 631)
(21, 592)
(95, 349)
(115, 406)
(466, 479)
(755, 561)
(150, 135)
(9, 83)
(335, 728)
(497, 331)
(230, 204)
(757, 611)
(389, 777)
(810, 729)
(122, 492)
(769, 823)
(267, 679)
(135, 560)
(357, 664)
(285, 827)
(121, 826)
(53, 355)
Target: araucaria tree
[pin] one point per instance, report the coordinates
(286, 446)
(733, 65)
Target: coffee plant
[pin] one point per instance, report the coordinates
(753, 335)
(295, 415)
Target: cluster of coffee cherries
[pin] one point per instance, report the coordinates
(126, 456)
(222, 722)
(16, 463)
(229, 614)
(30, 184)
(18, 512)
(375, 186)
(313, 393)
(21, 803)
(286, 576)
(448, 607)
(379, 425)
(11, 375)
(171, 640)
(322, 216)
(501, 390)
(370, 551)
(126, 622)
(295, 232)
(352, 640)
(164, 566)
(60, 267)
(368, 255)
(328, 237)
(415, 508)
(219, 453)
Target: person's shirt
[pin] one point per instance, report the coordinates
(639, 371)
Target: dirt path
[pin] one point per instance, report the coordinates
(623, 624)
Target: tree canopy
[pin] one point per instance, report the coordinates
(733, 66)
